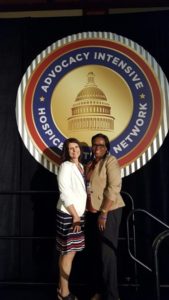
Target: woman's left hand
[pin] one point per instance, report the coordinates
(102, 218)
(76, 224)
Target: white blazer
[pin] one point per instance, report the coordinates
(72, 188)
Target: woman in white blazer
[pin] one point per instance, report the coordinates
(70, 213)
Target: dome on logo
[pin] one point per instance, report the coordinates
(91, 91)
(91, 110)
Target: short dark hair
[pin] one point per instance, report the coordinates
(104, 137)
(65, 152)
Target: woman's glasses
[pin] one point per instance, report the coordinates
(98, 146)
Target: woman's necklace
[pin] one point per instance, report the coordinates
(78, 165)
(80, 168)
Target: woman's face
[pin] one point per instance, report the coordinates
(74, 151)
(99, 148)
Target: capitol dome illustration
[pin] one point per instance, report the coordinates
(91, 110)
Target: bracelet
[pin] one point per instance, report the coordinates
(104, 211)
(103, 217)
(76, 224)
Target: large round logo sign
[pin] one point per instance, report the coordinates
(88, 83)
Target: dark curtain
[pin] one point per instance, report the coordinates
(21, 40)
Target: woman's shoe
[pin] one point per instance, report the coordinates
(68, 297)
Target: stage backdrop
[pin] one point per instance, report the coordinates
(21, 40)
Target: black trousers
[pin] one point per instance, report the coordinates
(101, 249)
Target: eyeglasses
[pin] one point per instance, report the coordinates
(98, 145)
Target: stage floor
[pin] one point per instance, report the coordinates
(49, 293)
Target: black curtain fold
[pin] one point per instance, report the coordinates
(21, 40)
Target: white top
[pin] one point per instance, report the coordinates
(72, 188)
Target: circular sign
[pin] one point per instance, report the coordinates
(88, 83)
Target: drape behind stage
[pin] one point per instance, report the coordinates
(21, 40)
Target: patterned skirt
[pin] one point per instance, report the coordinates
(66, 239)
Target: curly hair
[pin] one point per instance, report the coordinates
(104, 137)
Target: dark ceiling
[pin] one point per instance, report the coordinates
(92, 5)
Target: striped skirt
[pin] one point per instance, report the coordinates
(66, 239)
